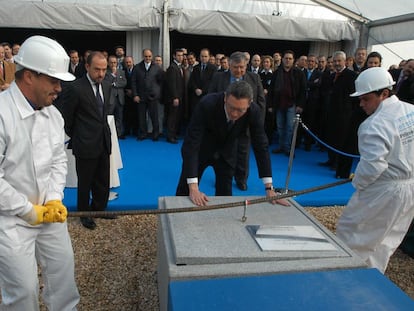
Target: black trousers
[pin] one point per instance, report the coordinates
(93, 178)
(224, 177)
(174, 118)
(243, 157)
(152, 108)
(130, 117)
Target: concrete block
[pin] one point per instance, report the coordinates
(216, 243)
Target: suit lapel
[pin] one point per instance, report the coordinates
(89, 92)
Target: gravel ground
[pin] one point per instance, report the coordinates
(116, 263)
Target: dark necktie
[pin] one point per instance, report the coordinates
(99, 100)
(400, 82)
(230, 124)
(337, 75)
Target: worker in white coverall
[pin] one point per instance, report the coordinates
(380, 212)
(33, 228)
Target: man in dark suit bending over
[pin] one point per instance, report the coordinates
(211, 140)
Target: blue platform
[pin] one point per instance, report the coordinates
(342, 290)
(151, 170)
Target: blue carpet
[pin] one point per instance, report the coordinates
(151, 170)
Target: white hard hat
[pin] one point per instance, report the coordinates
(46, 56)
(371, 80)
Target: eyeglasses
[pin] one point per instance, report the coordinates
(236, 109)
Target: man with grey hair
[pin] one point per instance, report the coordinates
(344, 117)
(218, 122)
(219, 83)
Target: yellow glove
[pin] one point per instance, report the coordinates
(56, 211)
(35, 216)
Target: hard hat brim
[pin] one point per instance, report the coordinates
(356, 94)
(64, 76)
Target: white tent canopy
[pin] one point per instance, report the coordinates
(148, 22)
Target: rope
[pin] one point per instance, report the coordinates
(326, 145)
(206, 208)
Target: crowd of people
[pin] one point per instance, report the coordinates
(149, 102)
(229, 103)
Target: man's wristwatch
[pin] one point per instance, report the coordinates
(270, 188)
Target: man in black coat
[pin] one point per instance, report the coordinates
(146, 83)
(217, 123)
(405, 87)
(344, 117)
(200, 79)
(220, 82)
(174, 80)
(76, 67)
(86, 124)
(312, 107)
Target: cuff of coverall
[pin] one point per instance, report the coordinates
(52, 196)
(28, 208)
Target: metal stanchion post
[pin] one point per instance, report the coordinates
(297, 120)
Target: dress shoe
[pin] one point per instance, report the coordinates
(327, 163)
(88, 222)
(155, 137)
(341, 177)
(241, 185)
(141, 137)
(109, 217)
(172, 140)
(121, 137)
(277, 151)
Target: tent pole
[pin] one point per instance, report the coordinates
(165, 35)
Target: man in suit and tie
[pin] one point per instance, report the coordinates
(217, 123)
(76, 67)
(344, 117)
(85, 112)
(255, 64)
(130, 109)
(118, 80)
(146, 83)
(174, 96)
(200, 79)
(220, 82)
(312, 107)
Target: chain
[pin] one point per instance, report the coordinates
(206, 208)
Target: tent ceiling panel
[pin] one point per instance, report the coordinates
(78, 16)
(391, 33)
(283, 8)
(261, 26)
(378, 9)
(276, 19)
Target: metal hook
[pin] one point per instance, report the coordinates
(244, 217)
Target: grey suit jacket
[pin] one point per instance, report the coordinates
(118, 83)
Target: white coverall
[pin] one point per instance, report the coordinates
(32, 171)
(380, 211)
